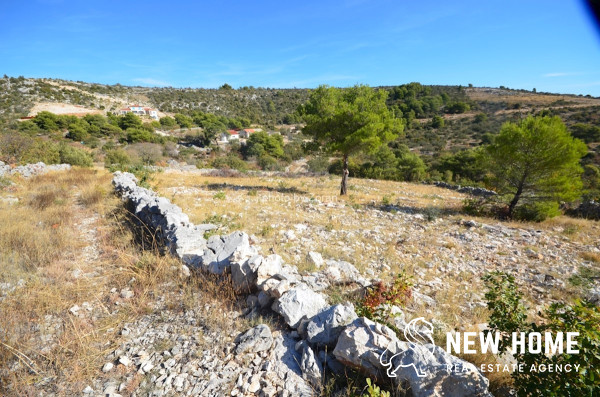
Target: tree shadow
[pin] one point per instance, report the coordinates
(429, 212)
(279, 189)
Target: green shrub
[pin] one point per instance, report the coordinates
(230, 161)
(268, 163)
(138, 135)
(77, 133)
(375, 391)
(508, 315)
(537, 212)
(74, 156)
(41, 150)
(318, 164)
(117, 157)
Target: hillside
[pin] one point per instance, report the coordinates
(110, 313)
(270, 106)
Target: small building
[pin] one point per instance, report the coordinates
(139, 111)
(246, 132)
(229, 136)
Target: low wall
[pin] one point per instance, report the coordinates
(331, 336)
(30, 170)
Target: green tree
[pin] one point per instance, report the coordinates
(261, 143)
(129, 120)
(536, 161)
(46, 121)
(168, 122)
(350, 121)
(184, 121)
(437, 122)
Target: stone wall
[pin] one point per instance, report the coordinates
(30, 170)
(331, 336)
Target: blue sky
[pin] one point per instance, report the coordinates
(552, 45)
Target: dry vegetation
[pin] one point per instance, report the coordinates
(67, 243)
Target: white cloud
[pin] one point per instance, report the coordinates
(152, 82)
(560, 74)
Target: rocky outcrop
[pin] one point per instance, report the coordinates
(29, 170)
(298, 365)
(375, 350)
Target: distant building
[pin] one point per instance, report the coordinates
(246, 132)
(140, 111)
(229, 136)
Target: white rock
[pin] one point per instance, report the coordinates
(315, 259)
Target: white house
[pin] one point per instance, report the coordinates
(140, 111)
(229, 136)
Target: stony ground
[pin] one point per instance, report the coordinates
(387, 227)
(86, 311)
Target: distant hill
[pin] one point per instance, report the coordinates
(438, 118)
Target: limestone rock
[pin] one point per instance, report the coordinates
(312, 369)
(325, 328)
(255, 340)
(314, 258)
(298, 303)
(361, 344)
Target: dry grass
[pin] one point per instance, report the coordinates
(44, 346)
(512, 97)
(264, 206)
(591, 256)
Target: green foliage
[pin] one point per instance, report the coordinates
(349, 121)
(398, 164)
(318, 164)
(46, 121)
(537, 211)
(375, 391)
(77, 133)
(437, 122)
(142, 135)
(591, 182)
(536, 160)
(184, 121)
(293, 151)
(40, 150)
(458, 107)
(503, 297)
(116, 158)
(508, 316)
(261, 143)
(168, 122)
(465, 166)
(129, 120)
(231, 161)
(219, 196)
(74, 156)
(268, 163)
(586, 132)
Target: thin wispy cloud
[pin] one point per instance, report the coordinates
(560, 74)
(152, 82)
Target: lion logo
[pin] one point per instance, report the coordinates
(419, 333)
